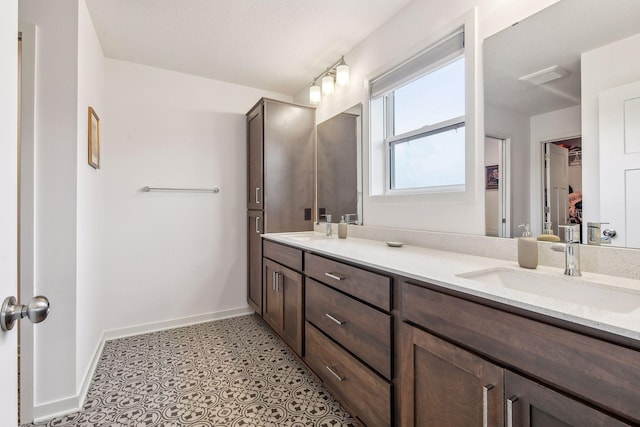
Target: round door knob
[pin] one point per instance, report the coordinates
(37, 310)
(609, 232)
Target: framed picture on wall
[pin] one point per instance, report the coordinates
(94, 139)
(492, 173)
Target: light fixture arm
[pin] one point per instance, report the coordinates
(331, 71)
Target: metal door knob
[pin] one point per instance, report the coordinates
(36, 311)
(609, 232)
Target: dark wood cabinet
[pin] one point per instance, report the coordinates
(579, 380)
(280, 178)
(529, 404)
(255, 169)
(365, 394)
(444, 385)
(283, 307)
(254, 257)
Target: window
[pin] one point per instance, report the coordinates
(418, 113)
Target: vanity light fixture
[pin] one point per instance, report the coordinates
(546, 75)
(338, 73)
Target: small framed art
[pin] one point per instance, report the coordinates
(492, 175)
(94, 139)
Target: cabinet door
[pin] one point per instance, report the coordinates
(255, 189)
(530, 404)
(444, 385)
(290, 289)
(272, 308)
(254, 260)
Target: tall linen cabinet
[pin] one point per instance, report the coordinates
(280, 179)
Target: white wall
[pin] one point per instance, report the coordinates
(56, 192)
(550, 126)
(515, 127)
(410, 30)
(603, 68)
(90, 204)
(173, 255)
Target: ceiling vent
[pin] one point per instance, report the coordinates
(544, 76)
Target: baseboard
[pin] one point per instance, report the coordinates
(71, 404)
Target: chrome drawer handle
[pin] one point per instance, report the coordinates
(485, 404)
(258, 225)
(257, 195)
(334, 276)
(510, 402)
(335, 374)
(339, 322)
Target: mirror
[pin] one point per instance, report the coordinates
(339, 167)
(544, 81)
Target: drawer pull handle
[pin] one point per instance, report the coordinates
(510, 402)
(258, 224)
(339, 322)
(485, 404)
(257, 195)
(334, 373)
(334, 276)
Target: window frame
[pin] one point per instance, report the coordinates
(378, 173)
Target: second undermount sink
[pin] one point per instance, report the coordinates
(569, 289)
(306, 237)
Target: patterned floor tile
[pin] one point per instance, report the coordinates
(233, 372)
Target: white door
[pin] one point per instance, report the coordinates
(557, 198)
(619, 118)
(8, 202)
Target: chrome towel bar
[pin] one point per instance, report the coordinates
(197, 190)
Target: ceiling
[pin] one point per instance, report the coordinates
(555, 36)
(275, 45)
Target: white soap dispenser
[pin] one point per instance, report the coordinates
(342, 228)
(527, 249)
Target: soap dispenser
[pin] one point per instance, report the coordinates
(342, 228)
(527, 249)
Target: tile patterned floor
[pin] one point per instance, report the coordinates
(232, 372)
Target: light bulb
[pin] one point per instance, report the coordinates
(314, 94)
(327, 85)
(342, 74)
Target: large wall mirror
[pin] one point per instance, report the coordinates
(339, 167)
(563, 87)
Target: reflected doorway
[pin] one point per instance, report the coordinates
(497, 181)
(562, 198)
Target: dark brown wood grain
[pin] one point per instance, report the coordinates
(604, 374)
(283, 308)
(365, 331)
(444, 384)
(361, 390)
(537, 406)
(255, 158)
(254, 262)
(285, 255)
(362, 284)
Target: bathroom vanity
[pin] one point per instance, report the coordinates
(414, 336)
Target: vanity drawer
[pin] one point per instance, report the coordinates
(285, 255)
(370, 287)
(604, 374)
(367, 395)
(363, 330)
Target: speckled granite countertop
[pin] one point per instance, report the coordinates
(442, 268)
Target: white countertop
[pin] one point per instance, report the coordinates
(441, 268)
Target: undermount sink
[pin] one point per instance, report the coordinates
(570, 289)
(306, 237)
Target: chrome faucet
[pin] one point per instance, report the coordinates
(571, 250)
(329, 229)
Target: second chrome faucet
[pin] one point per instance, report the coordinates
(571, 250)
